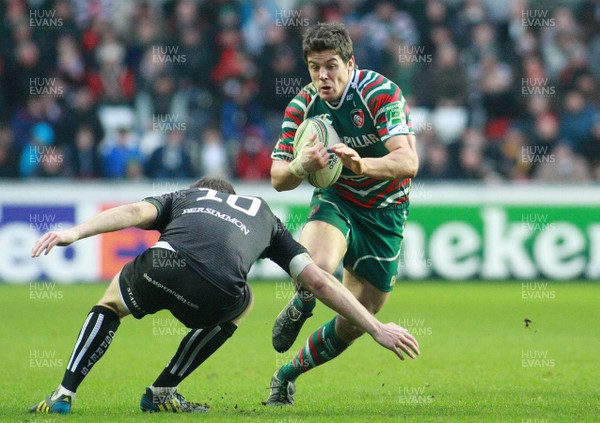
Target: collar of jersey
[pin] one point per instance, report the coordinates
(352, 81)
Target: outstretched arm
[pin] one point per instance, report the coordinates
(140, 214)
(334, 295)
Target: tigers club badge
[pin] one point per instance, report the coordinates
(358, 117)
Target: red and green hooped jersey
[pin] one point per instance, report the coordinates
(371, 110)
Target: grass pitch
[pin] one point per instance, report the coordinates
(505, 352)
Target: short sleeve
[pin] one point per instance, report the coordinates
(386, 104)
(394, 119)
(283, 248)
(292, 118)
(164, 206)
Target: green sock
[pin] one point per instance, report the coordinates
(304, 301)
(323, 345)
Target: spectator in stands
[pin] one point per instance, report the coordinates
(254, 158)
(436, 164)
(360, 43)
(24, 68)
(104, 57)
(26, 118)
(470, 164)
(35, 151)
(576, 120)
(518, 157)
(585, 83)
(9, 156)
(83, 155)
(594, 58)
(53, 164)
(496, 85)
(80, 110)
(4, 113)
(162, 102)
(559, 42)
(482, 43)
(282, 76)
(261, 19)
(200, 57)
(121, 156)
(591, 148)
(212, 154)
(240, 109)
(468, 158)
(543, 140)
(70, 61)
(115, 82)
(564, 166)
(442, 83)
(383, 23)
(171, 160)
(232, 62)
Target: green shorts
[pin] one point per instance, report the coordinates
(373, 236)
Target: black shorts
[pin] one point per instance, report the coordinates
(160, 279)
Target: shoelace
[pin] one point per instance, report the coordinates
(185, 404)
(282, 393)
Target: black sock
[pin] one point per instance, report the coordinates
(194, 349)
(94, 339)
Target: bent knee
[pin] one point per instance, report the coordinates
(116, 306)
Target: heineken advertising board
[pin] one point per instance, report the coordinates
(453, 231)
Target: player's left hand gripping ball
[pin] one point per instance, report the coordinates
(349, 158)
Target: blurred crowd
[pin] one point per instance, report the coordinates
(499, 90)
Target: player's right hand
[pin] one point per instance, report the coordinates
(51, 239)
(314, 156)
(398, 340)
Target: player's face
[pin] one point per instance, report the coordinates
(329, 73)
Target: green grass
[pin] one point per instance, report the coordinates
(472, 338)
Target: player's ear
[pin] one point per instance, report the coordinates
(352, 64)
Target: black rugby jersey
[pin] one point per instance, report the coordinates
(221, 235)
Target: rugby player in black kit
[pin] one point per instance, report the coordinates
(210, 237)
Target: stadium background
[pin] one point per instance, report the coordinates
(138, 98)
(104, 102)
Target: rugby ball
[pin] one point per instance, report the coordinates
(326, 134)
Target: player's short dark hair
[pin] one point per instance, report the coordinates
(218, 184)
(328, 36)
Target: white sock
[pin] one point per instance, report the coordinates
(61, 390)
(163, 389)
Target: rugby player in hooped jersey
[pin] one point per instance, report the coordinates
(211, 237)
(359, 220)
